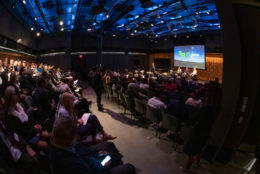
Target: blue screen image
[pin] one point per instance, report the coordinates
(191, 56)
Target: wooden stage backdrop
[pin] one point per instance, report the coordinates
(214, 65)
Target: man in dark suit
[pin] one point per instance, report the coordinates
(17, 155)
(68, 158)
(98, 88)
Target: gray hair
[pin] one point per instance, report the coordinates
(64, 127)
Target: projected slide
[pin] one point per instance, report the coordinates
(190, 56)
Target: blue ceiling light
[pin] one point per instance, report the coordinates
(113, 16)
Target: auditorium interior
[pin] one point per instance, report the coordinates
(129, 86)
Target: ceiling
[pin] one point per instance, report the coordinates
(154, 18)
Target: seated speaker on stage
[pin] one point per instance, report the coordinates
(179, 70)
(187, 71)
(194, 73)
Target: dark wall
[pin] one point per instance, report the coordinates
(13, 29)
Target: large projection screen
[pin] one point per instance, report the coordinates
(191, 56)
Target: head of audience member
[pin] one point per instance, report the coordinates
(43, 82)
(10, 98)
(195, 95)
(4, 77)
(13, 78)
(64, 131)
(22, 71)
(67, 101)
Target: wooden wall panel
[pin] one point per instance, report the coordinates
(214, 65)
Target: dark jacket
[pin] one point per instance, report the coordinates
(65, 161)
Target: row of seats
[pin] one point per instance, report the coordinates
(142, 110)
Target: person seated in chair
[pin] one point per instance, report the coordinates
(15, 152)
(65, 157)
(90, 126)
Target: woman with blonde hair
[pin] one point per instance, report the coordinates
(17, 121)
(89, 125)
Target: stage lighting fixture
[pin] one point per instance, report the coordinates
(152, 25)
(32, 29)
(188, 36)
(114, 35)
(62, 29)
(162, 21)
(19, 40)
(38, 34)
(89, 29)
(61, 23)
(135, 31)
(132, 34)
(107, 16)
(35, 19)
(41, 29)
(24, 1)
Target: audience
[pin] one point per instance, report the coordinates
(66, 157)
(44, 98)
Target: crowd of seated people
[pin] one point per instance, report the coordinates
(178, 94)
(46, 125)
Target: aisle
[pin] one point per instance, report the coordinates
(140, 147)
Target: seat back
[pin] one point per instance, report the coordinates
(153, 114)
(169, 122)
(140, 106)
(127, 100)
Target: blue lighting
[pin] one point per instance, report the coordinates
(151, 18)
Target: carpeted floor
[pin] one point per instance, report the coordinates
(140, 147)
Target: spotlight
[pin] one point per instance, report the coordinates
(114, 35)
(132, 34)
(208, 12)
(89, 29)
(19, 40)
(61, 23)
(62, 29)
(38, 34)
(152, 25)
(24, 1)
(175, 36)
(165, 13)
(35, 19)
(41, 29)
(107, 16)
(135, 31)
(162, 21)
(188, 36)
(32, 29)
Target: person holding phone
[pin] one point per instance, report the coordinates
(67, 157)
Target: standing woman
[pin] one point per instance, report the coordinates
(200, 134)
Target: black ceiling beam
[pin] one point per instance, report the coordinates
(150, 12)
(58, 9)
(77, 13)
(25, 10)
(42, 15)
(183, 5)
